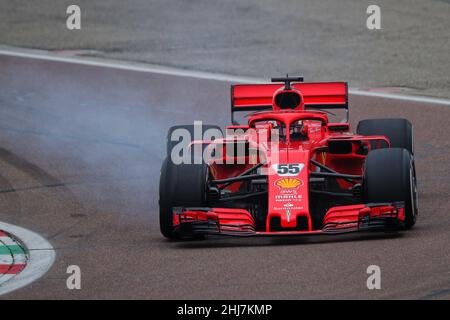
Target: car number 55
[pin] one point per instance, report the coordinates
(290, 170)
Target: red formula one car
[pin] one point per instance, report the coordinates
(291, 170)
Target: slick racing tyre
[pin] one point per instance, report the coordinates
(399, 131)
(389, 176)
(181, 184)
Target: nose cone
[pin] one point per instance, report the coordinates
(288, 189)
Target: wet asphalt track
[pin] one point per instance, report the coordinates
(80, 152)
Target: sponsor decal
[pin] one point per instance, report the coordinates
(288, 183)
(293, 208)
(288, 196)
(289, 199)
(288, 216)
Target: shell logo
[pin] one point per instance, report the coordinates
(288, 183)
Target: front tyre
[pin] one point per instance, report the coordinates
(389, 176)
(183, 184)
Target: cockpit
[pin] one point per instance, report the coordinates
(292, 126)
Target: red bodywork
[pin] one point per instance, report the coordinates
(289, 194)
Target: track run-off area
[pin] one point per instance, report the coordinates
(81, 144)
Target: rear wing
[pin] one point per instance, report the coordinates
(258, 97)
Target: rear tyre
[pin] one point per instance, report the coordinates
(399, 131)
(389, 176)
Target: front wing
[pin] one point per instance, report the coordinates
(239, 222)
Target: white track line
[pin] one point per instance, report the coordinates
(41, 257)
(153, 68)
(123, 65)
(394, 96)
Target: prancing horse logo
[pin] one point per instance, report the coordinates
(288, 216)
